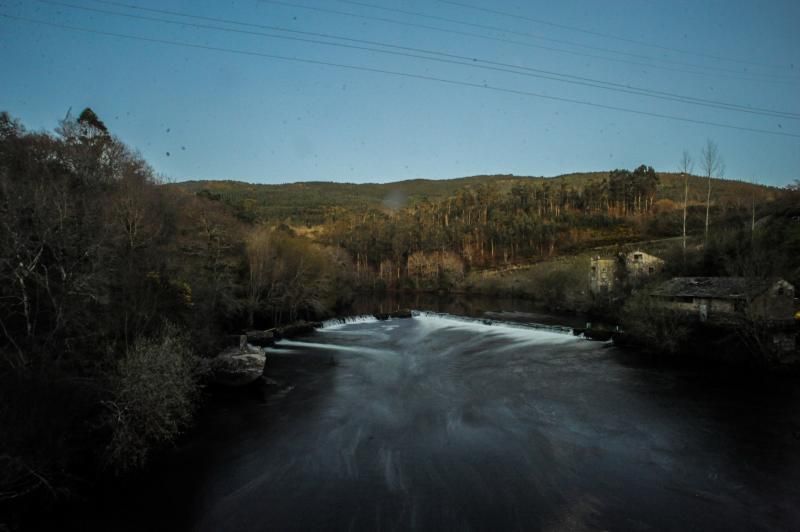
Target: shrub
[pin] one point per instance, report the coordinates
(653, 326)
(154, 392)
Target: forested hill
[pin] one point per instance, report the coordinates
(312, 203)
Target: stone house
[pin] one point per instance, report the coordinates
(639, 264)
(607, 272)
(724, 299)
(602, 274)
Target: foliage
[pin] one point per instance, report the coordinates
(153, 395)
(436, 270)
(649, 324)
(288, 276)
(486, 221)
(94, 254)
(558, 284)
(737, 247)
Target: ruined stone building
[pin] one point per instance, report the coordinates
(764, 307)
(607, 272)
(721, 299)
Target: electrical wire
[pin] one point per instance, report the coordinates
(550, 39)
(521, 43)
(464, 60)
(608, 35)
(407, 75)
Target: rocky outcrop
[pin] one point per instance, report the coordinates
(600, 335)
(238, 366)
(243, 363)
(261, 338)
(298, 328)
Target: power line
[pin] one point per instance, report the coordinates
(407, 75)
(520, 43)
(608, 35)
(531, 35)
(470, 62)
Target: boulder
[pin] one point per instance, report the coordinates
(238, 366)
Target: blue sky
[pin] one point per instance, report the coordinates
(208, 114)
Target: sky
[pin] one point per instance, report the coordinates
(248, 89)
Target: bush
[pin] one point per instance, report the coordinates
(653, 326)
(559, 284)
(153, 396)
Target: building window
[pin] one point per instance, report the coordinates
(651, 269)
(637, 257)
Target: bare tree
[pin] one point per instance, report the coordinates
(686, 166)
(753, 220)
(264, 269)
(712, 166)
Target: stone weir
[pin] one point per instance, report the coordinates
(244, 362)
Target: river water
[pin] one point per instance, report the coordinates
(441, 422)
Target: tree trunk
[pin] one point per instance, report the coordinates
(685, 201)
(708, 207)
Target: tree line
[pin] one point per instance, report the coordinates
(488, 225)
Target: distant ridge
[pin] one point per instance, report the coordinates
(309, 201)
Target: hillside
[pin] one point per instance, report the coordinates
(311, 203)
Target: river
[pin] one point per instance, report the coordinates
(444, 422)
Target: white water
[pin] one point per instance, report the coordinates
(338, 323)
(443, 422)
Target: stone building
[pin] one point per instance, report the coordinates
(607, 272)
(724, 299)
(639, 264)
(602, 274)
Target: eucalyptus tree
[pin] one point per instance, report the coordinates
(713, 166)
(686, 166)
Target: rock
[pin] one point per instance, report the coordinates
(381, 316)
(261, 338)
(600, 335)
(238, 366)
(297, 329)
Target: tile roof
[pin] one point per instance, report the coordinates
(713, 287)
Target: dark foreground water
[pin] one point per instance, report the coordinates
(445, 423)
